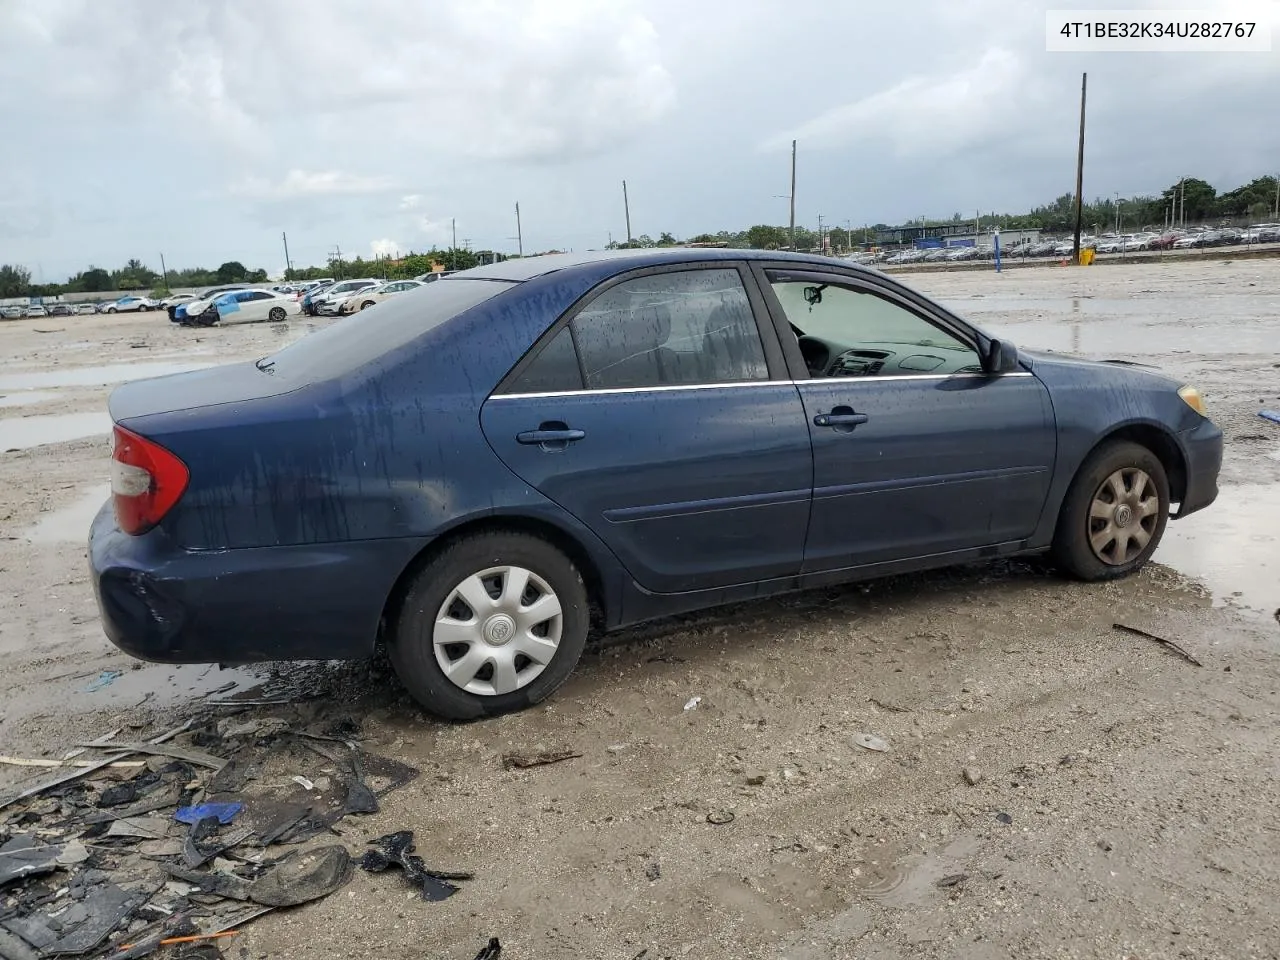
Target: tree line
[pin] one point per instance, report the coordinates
(1191, 199)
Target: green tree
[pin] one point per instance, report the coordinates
(1194, 198)
(764, 237)
(232, 271)
(93, 280)
(15, 280)
(666, 240)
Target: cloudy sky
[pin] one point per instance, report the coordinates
(205, 129)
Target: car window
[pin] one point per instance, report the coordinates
(555, 369)
(352, 342)
(845, 331)
(260, 295)
(686, 327)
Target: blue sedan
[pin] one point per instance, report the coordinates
(505, 458)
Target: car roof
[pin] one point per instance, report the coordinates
(527, 268)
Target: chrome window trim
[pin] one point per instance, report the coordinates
(669, 387)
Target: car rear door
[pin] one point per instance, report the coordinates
(660, 416)
(916, 450)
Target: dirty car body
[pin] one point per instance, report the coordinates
(683, 428)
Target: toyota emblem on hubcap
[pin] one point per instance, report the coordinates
(499, 629)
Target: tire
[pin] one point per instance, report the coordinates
(276, 314)
(1119, 535)
(418, 647)
(111, 309)
(366, 304)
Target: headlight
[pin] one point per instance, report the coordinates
(1191, 397)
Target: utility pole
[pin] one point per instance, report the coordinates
(1117, 212)
(519, 235)
(453, 244)
(337, 260)
(793, 195)
(626, 206)
(288, 264)
(1278, 196)
(1075, 243)
(821, 242)
(165, 271)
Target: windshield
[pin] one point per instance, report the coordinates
(355, 341)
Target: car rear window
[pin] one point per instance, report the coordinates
(358, 339)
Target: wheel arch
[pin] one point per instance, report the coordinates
(560, 538)
(1160, 441)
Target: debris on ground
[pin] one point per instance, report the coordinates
(1271, 415)
(692, 703)
(972, 776)
(720, 817)
(952, 880)
(159, 843)
(1167, 644)
(491, 951)
(892, 708)
(104, 679)
(869, 741)
(396, 849)
(518, 761)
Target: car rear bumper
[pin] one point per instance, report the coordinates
(1202, 450)
(162, 603)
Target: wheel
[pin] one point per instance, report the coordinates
(276, 314)
(493, 624)
(1114, 513)
(367, 303)
(143, 309)
(111, 309)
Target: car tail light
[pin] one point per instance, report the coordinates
(146, 481)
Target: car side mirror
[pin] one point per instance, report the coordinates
(1002, 357)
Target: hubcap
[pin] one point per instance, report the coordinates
(497, 630)
(1123, 516)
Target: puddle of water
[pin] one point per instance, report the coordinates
(26, 398)
(1133, 327)
(71, 523)
(19, 433)
(94, 376)
(1232, 546)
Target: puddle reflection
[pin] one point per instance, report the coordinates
(1233, 547)
(19, 433)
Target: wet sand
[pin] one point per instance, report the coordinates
(1141, 793)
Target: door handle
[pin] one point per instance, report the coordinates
(551, 436)
(840, 417)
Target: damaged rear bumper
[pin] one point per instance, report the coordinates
(163, 603)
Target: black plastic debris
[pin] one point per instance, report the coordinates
(303, 876)
(491, 951)
(104, 909)
(25, 856)
(396, 849)
(119, 794)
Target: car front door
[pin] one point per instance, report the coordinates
(917, 450)
(660, 418)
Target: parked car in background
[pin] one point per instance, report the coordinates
(60, 309)
(132, 304)
(86, 308)
(327, 303)
(241, 306)
(630, 436)
(178, 311)
(176, 298)
(1167, 239)
(369, 296)
(11, 313)
(35, 310)
(1189, 241)
(312, 295)
(434, 276)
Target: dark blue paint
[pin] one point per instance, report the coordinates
(311, 496)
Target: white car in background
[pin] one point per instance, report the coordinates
(371, 295)
(132, 304)
(35, 310)
(327, 303)
(241, 306)
(86, 308)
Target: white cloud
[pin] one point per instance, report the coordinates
(922, 114)
(410, 201)
(303, 183)
(385, 247)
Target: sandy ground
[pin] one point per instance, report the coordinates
(1126, 803)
